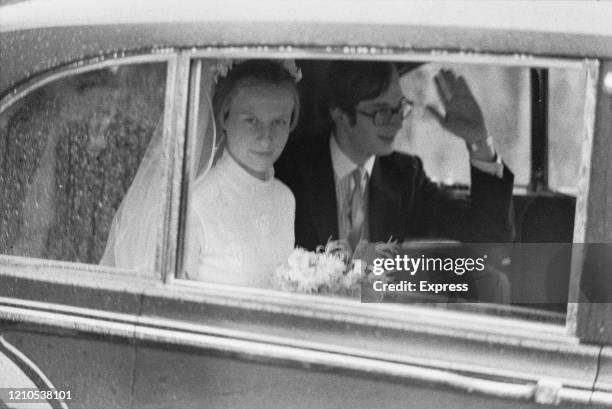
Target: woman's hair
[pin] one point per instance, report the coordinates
(254, 73)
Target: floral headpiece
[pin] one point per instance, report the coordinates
(222, 67)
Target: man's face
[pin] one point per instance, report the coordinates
(368, 139)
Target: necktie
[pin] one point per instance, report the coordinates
(357, 211)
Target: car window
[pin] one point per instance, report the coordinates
(533, 274)
(566, 128)
(545, 201)
(69, 154)
(505, 98)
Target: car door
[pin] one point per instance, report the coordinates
(74, 140)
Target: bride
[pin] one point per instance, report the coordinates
(240, 224)
(240, 218)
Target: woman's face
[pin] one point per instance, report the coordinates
(257, 126)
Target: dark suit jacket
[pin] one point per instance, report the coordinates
(403, 202)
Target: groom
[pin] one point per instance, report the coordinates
(350, 184)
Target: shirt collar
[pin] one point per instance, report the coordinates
(342, 164)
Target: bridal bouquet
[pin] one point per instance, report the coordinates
(332, 269)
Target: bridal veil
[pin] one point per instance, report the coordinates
(137, 225)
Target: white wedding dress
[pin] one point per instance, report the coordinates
(240, 228)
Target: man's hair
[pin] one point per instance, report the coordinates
(351, 82)
(253, 73)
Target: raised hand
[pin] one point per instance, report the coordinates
(463, 117)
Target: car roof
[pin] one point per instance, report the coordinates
(39, 35)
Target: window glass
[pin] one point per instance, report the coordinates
(566, 128)
(503, 95)
(69, 153)
(253, 225)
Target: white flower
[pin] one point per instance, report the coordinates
(222, 67)
(299, 259)
(324, 271)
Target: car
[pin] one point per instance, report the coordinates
(91, 91)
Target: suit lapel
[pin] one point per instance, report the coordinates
(322, 193)
(385, 205)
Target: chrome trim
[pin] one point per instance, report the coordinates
(582, 194)
(77, 274)
(279, 349)
(174, 136)
(78, 67)
(193, 108)
(386, 54)
(590, 102)
(601, 398)
(421, 318)
(25, 265)
(168, 162)
(324, 53)
(477, 327)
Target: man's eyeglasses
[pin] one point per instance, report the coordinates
(384, 116)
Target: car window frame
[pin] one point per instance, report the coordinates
(589, 65)
(591, 321)
(170, 58)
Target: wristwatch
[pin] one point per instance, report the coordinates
(476, 146)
